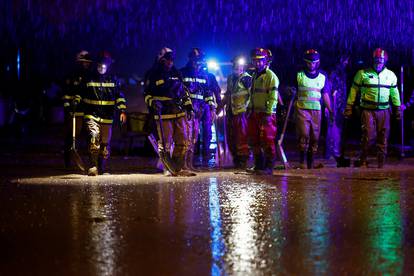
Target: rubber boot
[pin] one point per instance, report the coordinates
(268, 167)
(302, 160)
(93, 167)
(309, 160)
(258, 164)
(189, 161)
(361, 162)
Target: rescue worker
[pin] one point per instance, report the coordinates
(376, 85)
(71, 88)
(168, 99)
(312, 85)
(202, 97)
(262, 113)
(101, 97)
(338, 80)
(236, 100)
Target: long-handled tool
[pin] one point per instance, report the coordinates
(74, 155)
(279, 147)
(218, 149)
(402, 153)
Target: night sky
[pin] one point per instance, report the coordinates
(50, 32)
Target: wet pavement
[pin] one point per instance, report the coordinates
(137, 222)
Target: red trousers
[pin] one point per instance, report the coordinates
(262, 134)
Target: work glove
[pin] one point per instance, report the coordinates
(122, 118)
(156, 105)
(398, 112)
(189, 112)
(348, 111)
(75, 103)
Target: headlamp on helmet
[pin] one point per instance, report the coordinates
(311, 55)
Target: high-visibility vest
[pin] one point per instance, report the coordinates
(264, 92)
(239, 94)
(376, 89)
(310, 91)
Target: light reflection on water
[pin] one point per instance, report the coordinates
(317, 225)
(103, 239)
(386, 232)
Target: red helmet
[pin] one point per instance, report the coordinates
(380, 53)
(311, 55)
(259, 53)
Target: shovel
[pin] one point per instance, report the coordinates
(74, 155)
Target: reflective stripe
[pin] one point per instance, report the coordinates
(209, 99)
(100, 120)
(377, 86)
(304, 88)
(147, 98)
(375, 103)
(120, 100)
(159, 82)
(187, 102)
(195, 96)
(194, 80)
(170, 116)
(66, 104)
(161, 98)
(67, 97)
(121, 106)
(100, 84)
(88, 101)
(308, 99)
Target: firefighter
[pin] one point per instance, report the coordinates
(71, 88)
(101, 97)
(312, 85)
(202, 96)
(376, 85)
(262, 113)
(236, 100)
(168, 99)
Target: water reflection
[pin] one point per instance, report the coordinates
(386, 228)
(103, 239)
(217, 243)
(317, 224)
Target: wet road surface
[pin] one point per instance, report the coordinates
(328, 221)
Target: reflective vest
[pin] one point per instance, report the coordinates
(239, 94)
(310, 91)
(375, 88)
(264, 93)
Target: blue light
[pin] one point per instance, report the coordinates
(18, 64)
(212, 65)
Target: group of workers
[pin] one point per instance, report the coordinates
(182, 100)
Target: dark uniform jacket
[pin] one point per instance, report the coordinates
(199, 85)
(168, 88)
(101, 96)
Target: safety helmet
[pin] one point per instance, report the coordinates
(196, 54)
(380, 53)
(165, 53)
(311, 55)
(83, 56)
(259, 53)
